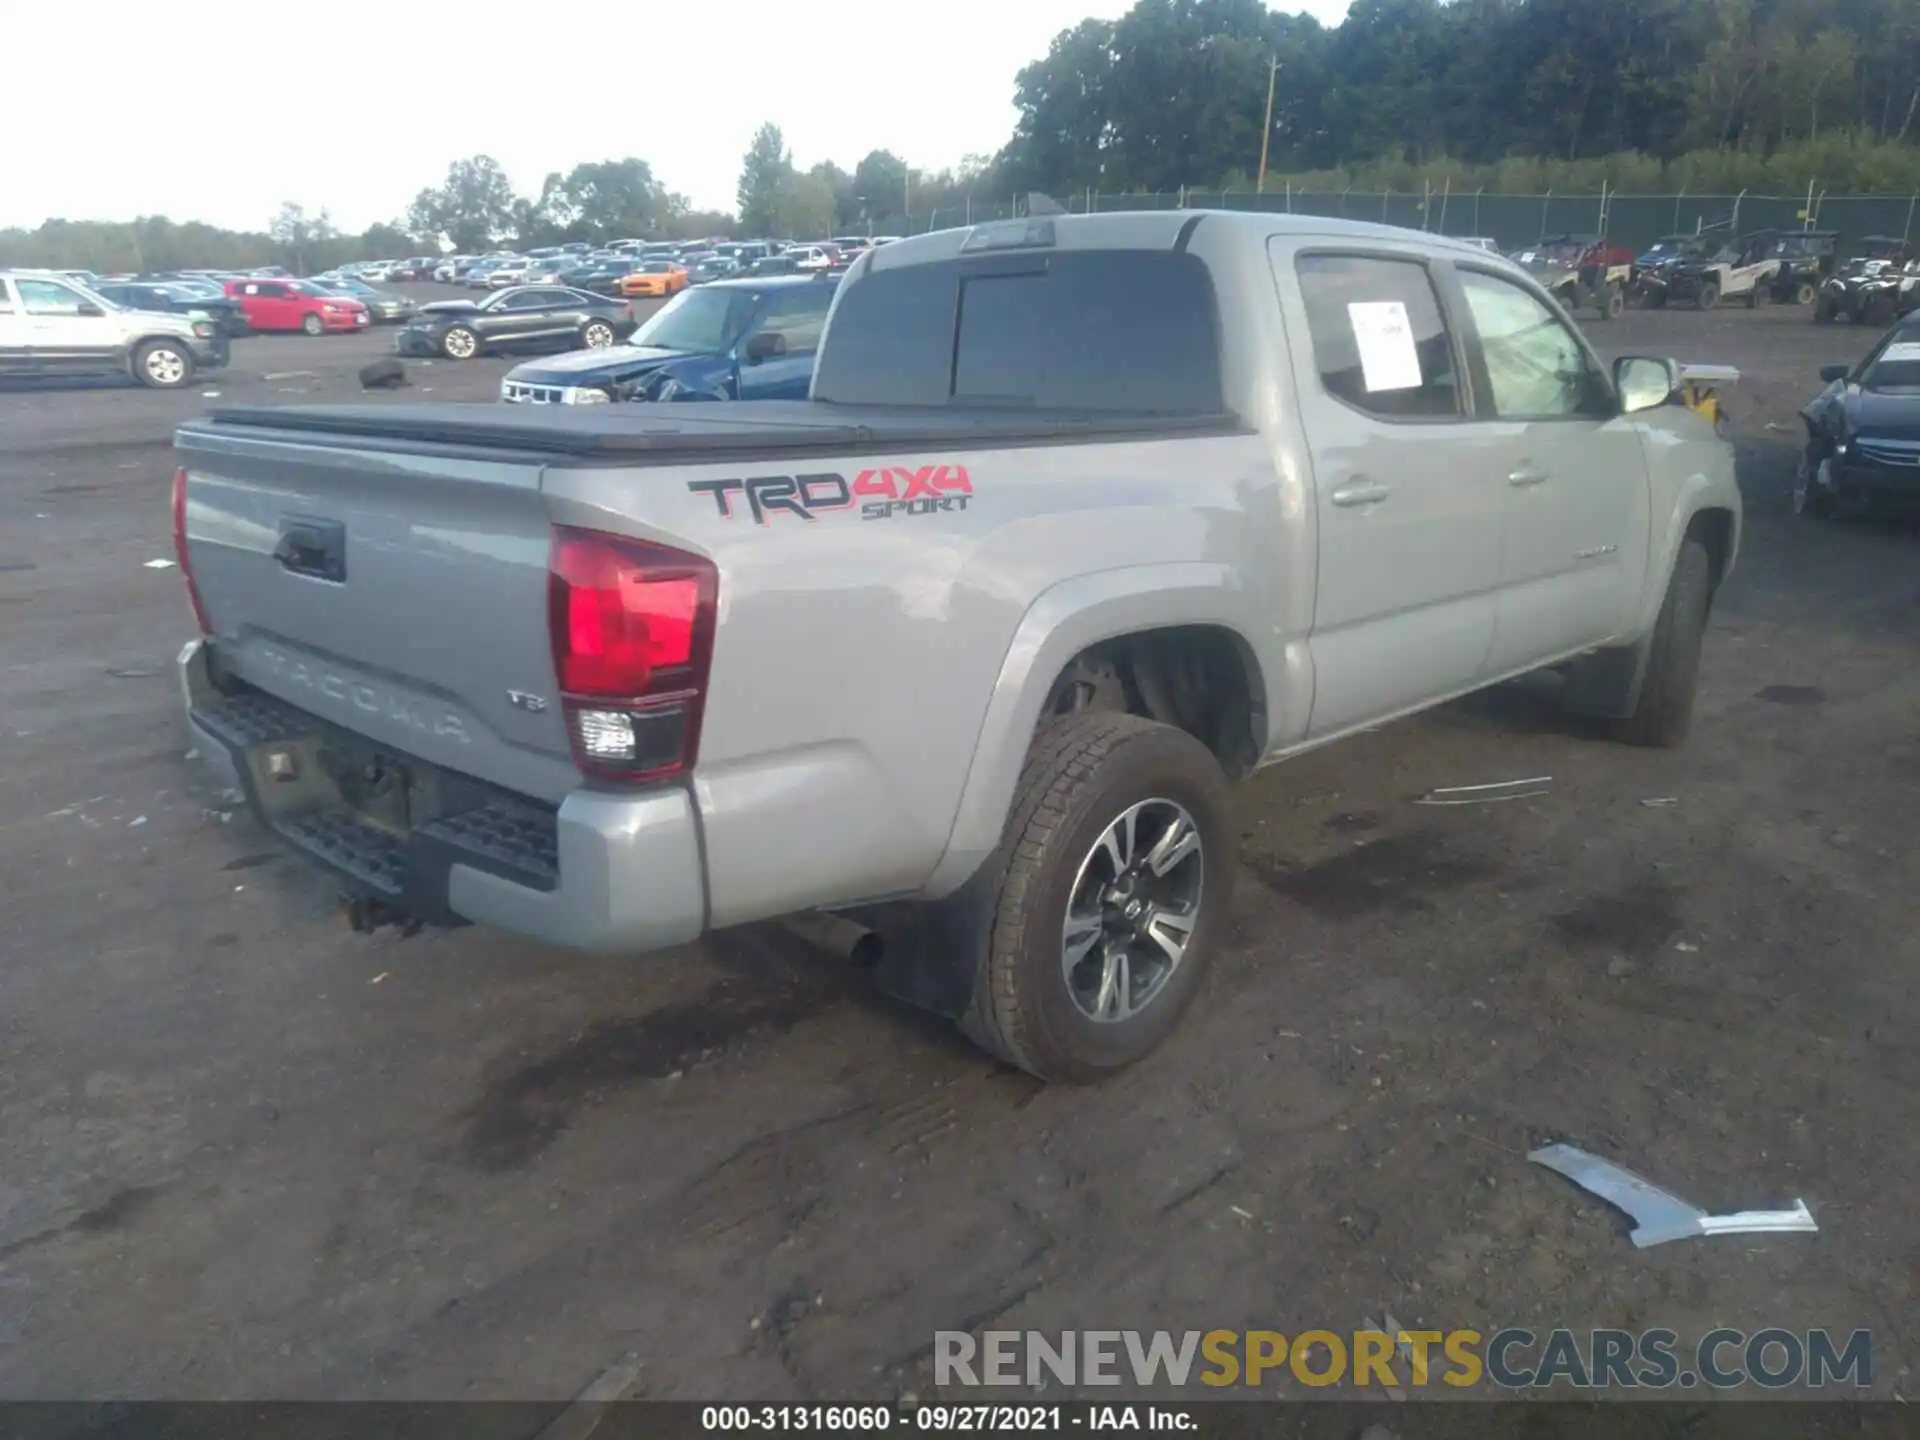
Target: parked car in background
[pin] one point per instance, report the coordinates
(384, 306)
(773, 265)
(448, 268)
(1873, 288)
(1806, 259)
(812, 257)
(505, 272)
(654, 278)
(530, 317)
(296, 305)
(548, 270)
(712, 267)
(174, 298)
(1863, 432)
(730, 340)
(602, 277)
(415, 267)
(53, 326)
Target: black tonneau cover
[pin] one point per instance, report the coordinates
(657, 434)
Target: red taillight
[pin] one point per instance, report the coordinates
(632, 630)
(180, 548)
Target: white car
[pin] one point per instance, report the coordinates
(808, 257)
(509, 272)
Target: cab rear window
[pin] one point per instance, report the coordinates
(1134, 331)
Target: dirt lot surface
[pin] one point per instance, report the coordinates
(246, 1153)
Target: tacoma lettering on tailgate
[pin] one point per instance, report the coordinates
(881, 493)
(364, 697)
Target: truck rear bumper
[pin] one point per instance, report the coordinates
(603, 871)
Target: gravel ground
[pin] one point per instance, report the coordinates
(246, 1153)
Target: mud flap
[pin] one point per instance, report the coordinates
(1607, 683)
(935, 951)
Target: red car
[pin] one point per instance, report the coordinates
(295, 305)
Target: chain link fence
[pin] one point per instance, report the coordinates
(1512, 221)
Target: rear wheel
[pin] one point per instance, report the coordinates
(1613, 303)
(460, 343)
(1665, 711)
(1803, 293)
(313, 324)
(596, 335)
(1119, 870)
(162, 365)
(1708, 296)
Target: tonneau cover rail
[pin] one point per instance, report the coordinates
(756, 426)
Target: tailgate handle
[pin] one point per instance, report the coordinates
(315, 548)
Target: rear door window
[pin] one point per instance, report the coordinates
(1379, 341)
(1132, 331)
(49, 297)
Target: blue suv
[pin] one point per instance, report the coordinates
(749, 339)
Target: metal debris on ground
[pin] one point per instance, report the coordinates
(1658, 1215)
(159, 564)
(1486, 794)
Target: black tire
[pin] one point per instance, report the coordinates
(1665, 711)
(1613, 303)
(1804, 293)
(1708, 295)
(1081, 775)
(460, 343)
(313, 325)
(163, 365)
(1757, 297)
(1658, 299)
(596, 335)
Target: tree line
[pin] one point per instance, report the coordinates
(1506, 96)
(1647, 94)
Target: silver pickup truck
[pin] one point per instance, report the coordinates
(1086, 517)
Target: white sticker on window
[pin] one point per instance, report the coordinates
(1384, 337)
(1904, 350)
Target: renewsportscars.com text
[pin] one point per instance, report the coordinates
(1511, 1358)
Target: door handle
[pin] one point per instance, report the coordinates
(1361, 492)
(1527, 475)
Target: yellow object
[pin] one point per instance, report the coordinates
(1700, 387)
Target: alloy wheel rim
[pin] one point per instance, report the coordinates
(1132, 911)
(599, 337)
(166, 367)
(460, 344)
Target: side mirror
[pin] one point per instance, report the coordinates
(87, 307)
(765, 345)
(1836, 371)
(1644, 383)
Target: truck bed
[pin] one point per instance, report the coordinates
(655, 434)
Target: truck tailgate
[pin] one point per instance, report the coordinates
(402, 596)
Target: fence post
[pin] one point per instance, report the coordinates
(1906, 232)
(1385, 196)
(1343, 201)
(1733, 223)
(969, 210)
(1476, 208)
(1446, 189)
(1289, 196)
(1546, 204)
(1426, 196)
(1676, 208)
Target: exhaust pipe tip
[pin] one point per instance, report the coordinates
(838, 936)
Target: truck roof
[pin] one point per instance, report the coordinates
(1150, 230)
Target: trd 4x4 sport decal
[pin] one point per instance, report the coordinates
(880, 494)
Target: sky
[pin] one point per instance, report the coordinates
(358, 108)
